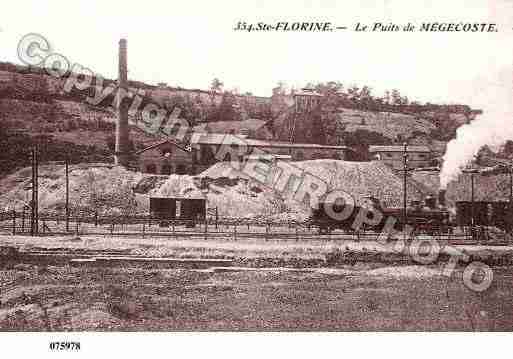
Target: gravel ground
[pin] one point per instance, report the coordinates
(355, 298)
(274, 285)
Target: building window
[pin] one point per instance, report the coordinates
(388, 155)
(422, 156)
(167, 169)
(151, 168)
(318, 156)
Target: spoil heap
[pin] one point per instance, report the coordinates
(113, 190)
(360, 179)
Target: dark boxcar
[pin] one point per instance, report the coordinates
(169, 208)
(464, 213)
(496, 213)
(193, 208)
(163, 208)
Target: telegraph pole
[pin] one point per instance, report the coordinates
(405, 170)
(67, 193)
(34, 222)
(37, 192)
(510, 204)
(472, 221)
(510, 185)
(472, 172)
(32, 184)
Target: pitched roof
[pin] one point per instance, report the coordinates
(157, 144)
(399, 149)
(308, 92)
(220, 138)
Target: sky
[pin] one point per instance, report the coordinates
(188, 43)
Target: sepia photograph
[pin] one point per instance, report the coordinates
(255, 166)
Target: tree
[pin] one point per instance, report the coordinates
(330, 92)
(280, 89)
(508, 147)
(354, 93)
(216, 85)
(366, 98)
(396, 97)
(387, 98)
(228, 110)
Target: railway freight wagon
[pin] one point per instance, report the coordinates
(183, 209)
(497, 213)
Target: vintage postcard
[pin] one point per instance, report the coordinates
(255, 166)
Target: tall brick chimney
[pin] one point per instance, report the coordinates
(121, 155)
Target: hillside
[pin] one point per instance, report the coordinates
(359, 128)
(84, 133)
(36, 109)
(35, 85)
(390, 125)
(34, 104)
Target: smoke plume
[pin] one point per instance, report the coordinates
(493, 128)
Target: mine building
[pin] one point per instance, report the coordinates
(306, 100)
(168, 157)
(418, 156)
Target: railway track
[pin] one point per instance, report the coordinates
(109, 258)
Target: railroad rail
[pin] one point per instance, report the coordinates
(109, 258)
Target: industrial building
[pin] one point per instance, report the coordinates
(168, 157)
(418, 156)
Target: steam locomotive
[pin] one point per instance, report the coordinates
(428, 217)
(422, 218)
